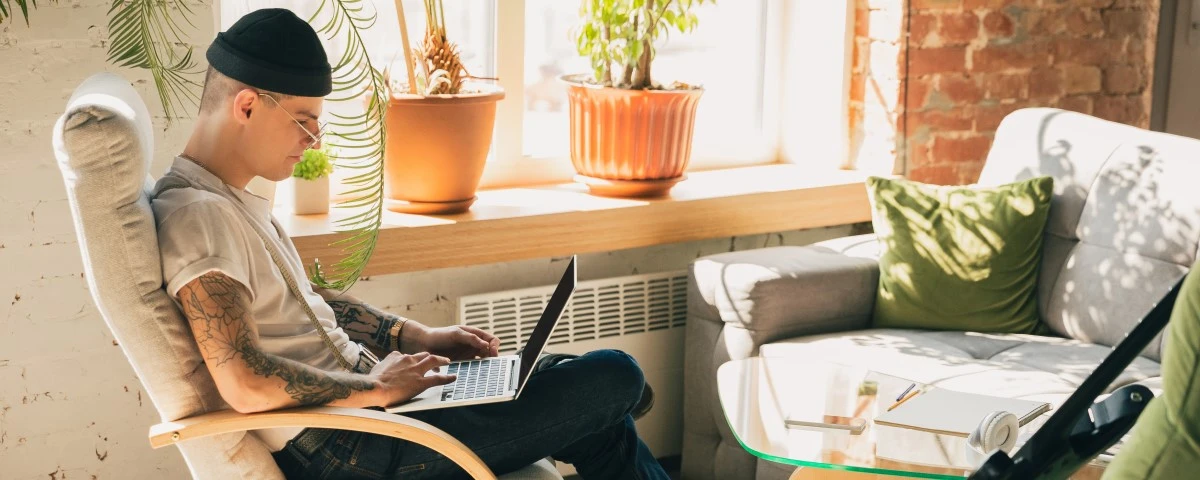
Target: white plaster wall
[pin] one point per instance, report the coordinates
(70, 405)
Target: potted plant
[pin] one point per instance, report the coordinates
(440, 126)
(630, 135)
(310, 182)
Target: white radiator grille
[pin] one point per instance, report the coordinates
(609, 307)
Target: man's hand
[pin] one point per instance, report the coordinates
(458, 342)
(401, 377)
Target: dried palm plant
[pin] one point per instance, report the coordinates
(437, 53)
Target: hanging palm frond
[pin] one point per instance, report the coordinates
(6, 8)
(145, 34)
(353, 75)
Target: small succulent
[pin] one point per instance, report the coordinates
(314, 164)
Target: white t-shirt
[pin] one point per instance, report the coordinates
(201, 230)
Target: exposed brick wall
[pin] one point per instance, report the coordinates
(971, 62)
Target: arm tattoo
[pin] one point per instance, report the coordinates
(364, 323)
(217, 311)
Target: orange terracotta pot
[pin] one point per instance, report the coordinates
(630, 143)
(436, 149)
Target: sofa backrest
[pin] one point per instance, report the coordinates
(1124, 221)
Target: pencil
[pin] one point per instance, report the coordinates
(905, 399)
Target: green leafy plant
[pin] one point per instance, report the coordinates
(353, 77)
(148, 34)
(145, 34)
(6, 8)
(622, 33)
(314, 164)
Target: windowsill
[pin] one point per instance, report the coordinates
(555, 220)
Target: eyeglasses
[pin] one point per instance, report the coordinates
(315, 138)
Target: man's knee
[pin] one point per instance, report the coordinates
(622, 373)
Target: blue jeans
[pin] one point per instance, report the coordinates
(576, 412)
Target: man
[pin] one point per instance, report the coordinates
(267, 348)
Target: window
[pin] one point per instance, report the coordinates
(734, 53)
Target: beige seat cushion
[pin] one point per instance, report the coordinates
(103, 144)
(1018, 366)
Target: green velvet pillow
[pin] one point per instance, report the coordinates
(959, 258)
(1165, 442)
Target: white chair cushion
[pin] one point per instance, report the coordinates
(103, 143)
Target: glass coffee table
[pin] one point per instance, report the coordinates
(760, 395)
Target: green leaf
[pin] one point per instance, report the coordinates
(23, 5)
(145, 34)
(363, 134)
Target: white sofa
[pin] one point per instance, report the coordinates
(1124, 227)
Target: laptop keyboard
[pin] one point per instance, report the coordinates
(481, 378)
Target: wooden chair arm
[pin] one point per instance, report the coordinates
(339, 418)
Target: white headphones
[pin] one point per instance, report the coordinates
(997, 431)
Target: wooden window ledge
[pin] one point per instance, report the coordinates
(557, 220)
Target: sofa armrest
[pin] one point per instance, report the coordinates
(782, 292)
(740, 300)
(340, 418)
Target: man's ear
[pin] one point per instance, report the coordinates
(243, 104)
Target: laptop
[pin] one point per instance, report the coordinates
(496, 379)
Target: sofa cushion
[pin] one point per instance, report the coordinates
(1013, 365)
(752, 288)
(959, 258)
(1124, 221)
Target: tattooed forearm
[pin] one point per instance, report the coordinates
(217, 310)
(306, 385)
(364, 323)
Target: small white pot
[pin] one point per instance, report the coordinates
(310, 196)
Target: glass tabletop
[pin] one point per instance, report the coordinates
(775, 407)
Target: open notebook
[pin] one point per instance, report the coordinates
(949, 412)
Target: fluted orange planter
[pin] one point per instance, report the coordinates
(630, 143)
(436, 149)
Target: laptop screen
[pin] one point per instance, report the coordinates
(541, 333)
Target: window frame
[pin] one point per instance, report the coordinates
(787, 136)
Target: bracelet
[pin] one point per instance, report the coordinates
(396, 329)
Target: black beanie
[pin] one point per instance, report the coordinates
(274, 50)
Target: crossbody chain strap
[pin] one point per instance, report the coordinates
(291, 283)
